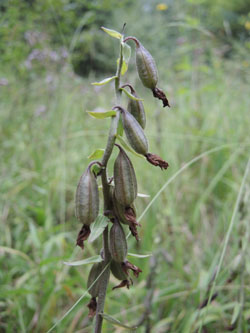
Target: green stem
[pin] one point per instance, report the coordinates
(107, 199)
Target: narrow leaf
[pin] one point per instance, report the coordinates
(89, 260)
(141, 195)
(105, 81)
(126, 146)
(98, 153)
(98, 227)
(124, 66)
(236, 312)
(130, 95)
(96, 169)
(116, 322)
(140, 255)
(102, 114)
(126, 52)
(112, 33)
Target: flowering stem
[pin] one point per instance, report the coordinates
(104, 279)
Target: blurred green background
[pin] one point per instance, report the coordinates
(50, 52)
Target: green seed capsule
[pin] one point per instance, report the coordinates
(118, 243)
(117, 271)
(146, 67)
(93, 275)
(124, 179)
(134, 133)
(87, 198)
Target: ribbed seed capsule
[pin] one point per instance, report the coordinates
(124, 179)
(87, 198)
(117, 270)
(93, 275)
(118, 243)
(146, 67)
(136, 108)
(134, 133)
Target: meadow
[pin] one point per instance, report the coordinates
(195, 220)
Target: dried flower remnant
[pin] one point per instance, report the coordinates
(118, 272)
(83, 235)
(128, 266)
(157, 161)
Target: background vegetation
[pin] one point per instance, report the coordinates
(50, 52)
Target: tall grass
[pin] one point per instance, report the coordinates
(45, 136)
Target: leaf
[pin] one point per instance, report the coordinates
(97, 227)
(139, 255)
(126, 52)
(124, 66)
(142, 195)
(112, 33)
(130, 95)
(89, 260)
(236, 312)
(104, 81)
(98, 153)
(96, 169)
(126, 146)
(102, 114)
(116, 322)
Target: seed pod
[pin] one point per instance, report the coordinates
(117, 242)
(124, 179)
(147, 70)
(117, 270)
(134, 133)
(87, 198)
(93, 275)
(136, 108)
(146, 67)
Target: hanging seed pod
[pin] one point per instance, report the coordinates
(94, 290)
(118, 272)
(87, 197)
(138, 140)
(147, 70)
(117, 242)
(124, 179)
(126, 215)
(134, 132)
(93, 275)
(86, 203)
(136, 108)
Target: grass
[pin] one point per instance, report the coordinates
(46, 137)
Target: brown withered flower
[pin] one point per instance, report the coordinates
(92, 307)
(130, 215)
(83, 235)
(126, 265)
(156, 160)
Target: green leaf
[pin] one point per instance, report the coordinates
(139, 255)
(98, 227)
(126, 146)
(236, 312)
(98, 153)
(112, 33)
(124, 66)
(130, 95)
(104, 81)
(142, 195)
(102, 114)
(116, 322)
(96, 169)
(126, 52)
(90, 260)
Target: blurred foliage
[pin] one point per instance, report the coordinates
(44, 33)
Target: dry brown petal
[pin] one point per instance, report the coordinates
(92, 307)
(83, 235)
(127, 265)
(158, 93)
(156, 160)
(130, 215)
(124, 283)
